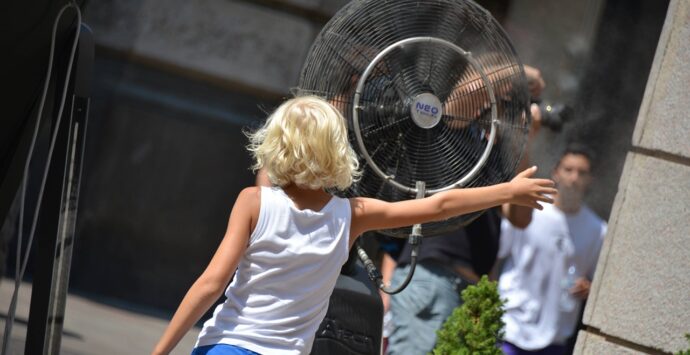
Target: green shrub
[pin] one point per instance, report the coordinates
(685, 352)
(476, 326)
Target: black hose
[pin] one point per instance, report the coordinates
(375, 275)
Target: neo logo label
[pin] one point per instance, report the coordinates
(426, 109)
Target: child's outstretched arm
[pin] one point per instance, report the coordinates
(210, 285)
(372, 214)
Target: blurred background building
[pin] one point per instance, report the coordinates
(176, 82)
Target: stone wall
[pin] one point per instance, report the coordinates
(640, 301)
(244, 44)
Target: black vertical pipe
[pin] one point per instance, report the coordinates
(56, 227)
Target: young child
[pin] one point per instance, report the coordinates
(285, 245)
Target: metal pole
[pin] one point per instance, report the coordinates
(59, 211)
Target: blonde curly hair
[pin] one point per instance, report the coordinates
(304, 141)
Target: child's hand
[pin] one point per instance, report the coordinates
(528, 192)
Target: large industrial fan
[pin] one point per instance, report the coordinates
(435, 98)
(434, 95)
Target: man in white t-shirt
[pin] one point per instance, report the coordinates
(548, 266)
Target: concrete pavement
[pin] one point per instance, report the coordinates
(91, 327)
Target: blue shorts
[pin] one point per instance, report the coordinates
(510, 349)
(222, 349)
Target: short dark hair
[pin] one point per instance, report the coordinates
(577, 149)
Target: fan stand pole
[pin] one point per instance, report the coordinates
(415, 240)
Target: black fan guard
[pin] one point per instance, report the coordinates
(378, 60)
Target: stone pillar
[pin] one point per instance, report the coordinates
(640, 300)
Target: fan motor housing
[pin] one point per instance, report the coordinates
(426, 110)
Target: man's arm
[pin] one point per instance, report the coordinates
(581, 288)
(584, 284)
(520, 216)
(388, 265)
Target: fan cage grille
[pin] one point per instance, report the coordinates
(442, 155)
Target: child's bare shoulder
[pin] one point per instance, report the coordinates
(250, 194)
(249, 201)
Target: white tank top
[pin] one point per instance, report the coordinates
(279, 294)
